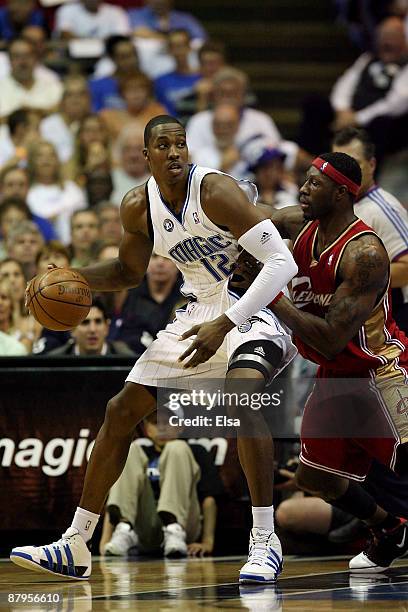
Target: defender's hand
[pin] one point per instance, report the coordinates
(208, 339)
(247, 269)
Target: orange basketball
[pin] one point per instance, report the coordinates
(59, 299)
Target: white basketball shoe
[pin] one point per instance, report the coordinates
(122, 539)
(264, 559)
(69, 557)
(174, 541)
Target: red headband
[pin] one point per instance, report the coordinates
(326, 168)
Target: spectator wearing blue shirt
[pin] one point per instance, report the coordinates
(158, 18)
(105, 91)
(175, 86)
(16, 15)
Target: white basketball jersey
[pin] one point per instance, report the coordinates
(204, 253)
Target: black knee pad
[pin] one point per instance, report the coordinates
(262, 355)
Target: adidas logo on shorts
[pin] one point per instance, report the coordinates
(265, 237)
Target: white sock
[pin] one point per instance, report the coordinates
(85, 522)
(262, 517)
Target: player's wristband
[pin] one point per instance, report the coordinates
(277, 298)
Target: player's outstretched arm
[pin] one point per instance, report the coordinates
(226, 205)
(364, 272)
(288, 221)
(135, 249)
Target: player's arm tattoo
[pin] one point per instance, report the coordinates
(363, 274)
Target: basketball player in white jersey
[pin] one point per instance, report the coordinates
(197, 217)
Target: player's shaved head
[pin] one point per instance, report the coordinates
(159, 120)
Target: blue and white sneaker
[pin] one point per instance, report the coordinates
(69, 557)
(264, 559)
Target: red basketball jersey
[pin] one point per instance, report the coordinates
(378, 342)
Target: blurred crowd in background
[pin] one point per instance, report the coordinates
(78, 82)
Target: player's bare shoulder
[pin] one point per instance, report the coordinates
(215, 186)
(133, 210)
(365, 263)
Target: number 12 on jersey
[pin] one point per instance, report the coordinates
(219, 266)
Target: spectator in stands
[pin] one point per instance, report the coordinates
(16, 15)
(149, 307)
(224, 155)
(212, 59)
(384, 213)
(25, 328)
(159, 497)
(170, 88)
(98, 186)
(14, 183)
(9, 346)
(49, 195)
(230, 86)
(23, 87)
(137, 92)
(105, 90)
(14, 211)
(372, 93)
(90, 19)
(91, 150)
(60, 128)
(112, 300)
(110, 226)
(37, 36)
(24, 242)
(89, 338)
(53, 252)
(267, 165)
(84, 237)
(21, 131)
(158, 18)
(132, 168)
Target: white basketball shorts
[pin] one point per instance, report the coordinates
(159, 365)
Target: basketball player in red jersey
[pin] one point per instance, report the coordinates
(340, 317)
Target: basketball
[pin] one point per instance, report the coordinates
(59, 299)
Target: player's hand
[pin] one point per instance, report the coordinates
(208, 339)
(27, 297)
(199, 549)
(247, 269)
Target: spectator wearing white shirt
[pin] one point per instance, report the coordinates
(224, 154)
(37, 36)
(131, 169)
(230, 86)
(372, 93)
(384, 213)
(61, 128)
(23, 88)
(49, 196)
(91, 19)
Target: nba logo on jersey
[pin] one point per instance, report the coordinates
(330, 259)
(323, 166)
(168, 225)
(195, 217)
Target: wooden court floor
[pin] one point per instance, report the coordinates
(206, 584)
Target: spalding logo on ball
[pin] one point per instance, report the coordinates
(60, 299)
